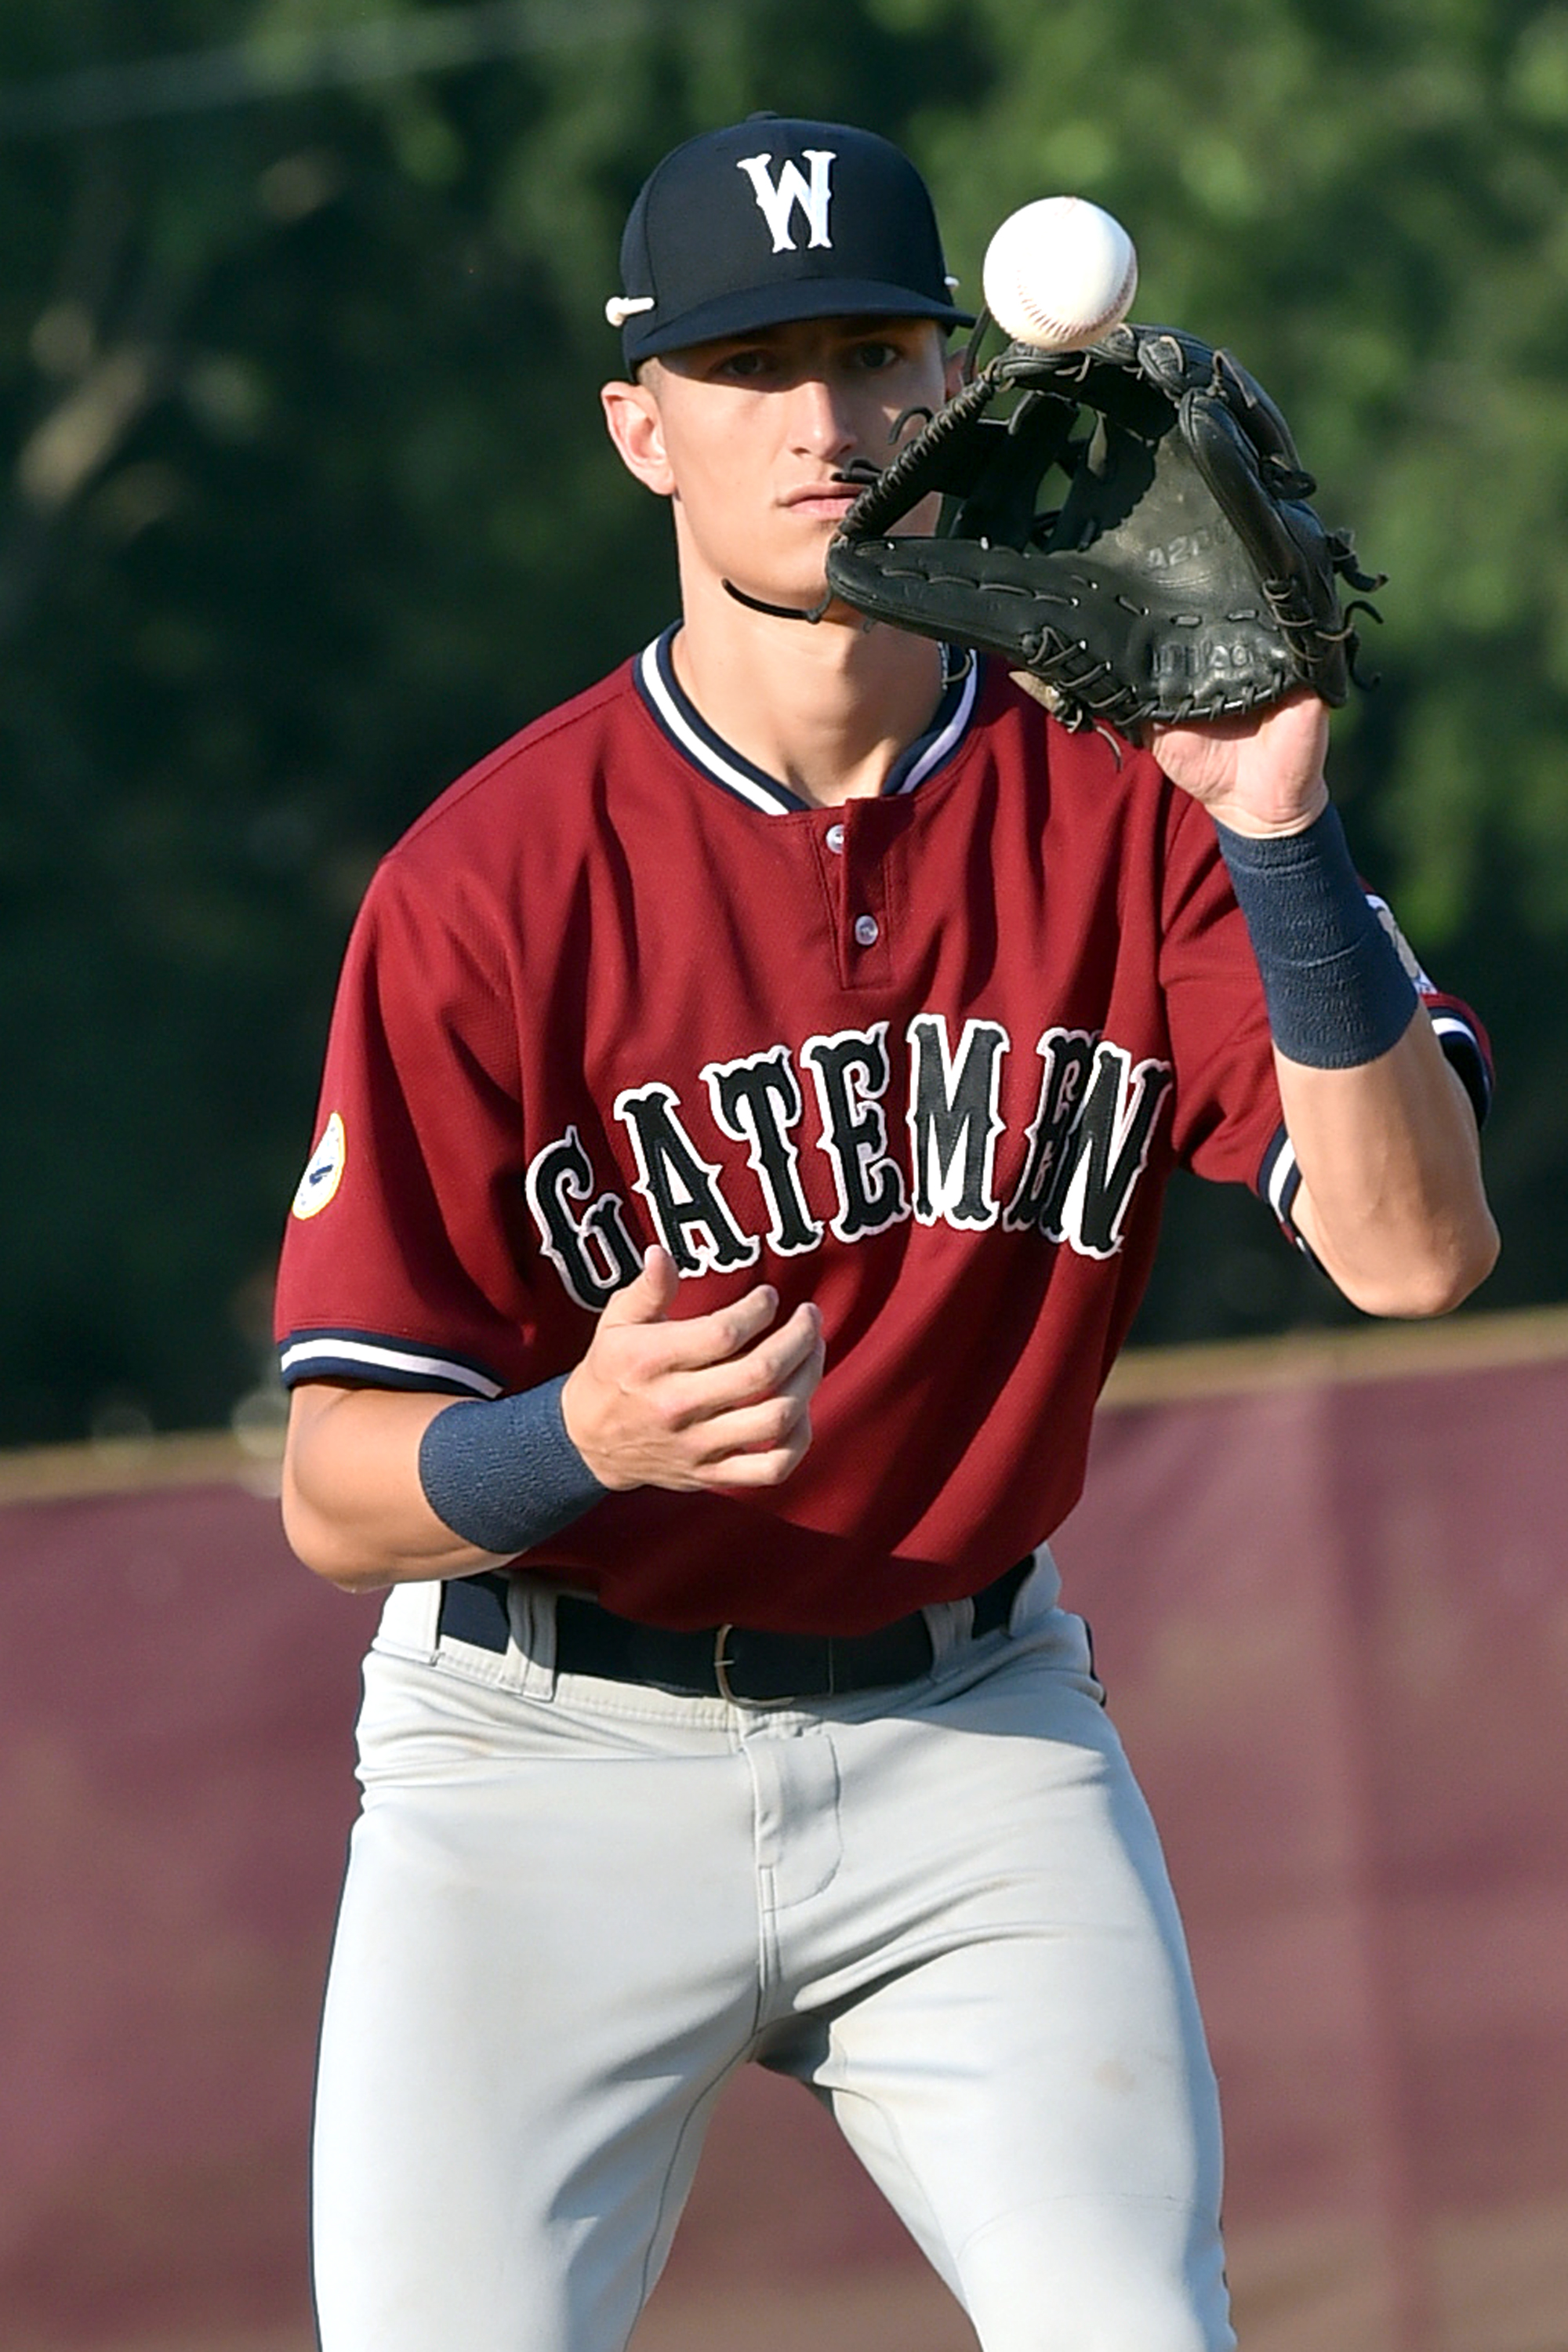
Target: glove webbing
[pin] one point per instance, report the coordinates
(890, 494)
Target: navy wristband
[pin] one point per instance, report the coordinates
(1338, 994)
(504, 1473)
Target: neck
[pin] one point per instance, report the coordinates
(825, 709)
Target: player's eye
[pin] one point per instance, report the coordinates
(749, 364)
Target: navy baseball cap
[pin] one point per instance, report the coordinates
(776, 219)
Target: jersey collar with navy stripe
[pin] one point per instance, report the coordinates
(677, 717)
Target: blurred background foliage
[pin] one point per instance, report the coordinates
(305, 505)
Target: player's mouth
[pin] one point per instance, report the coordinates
(833, 497)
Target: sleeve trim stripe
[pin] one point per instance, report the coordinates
(1453, 1024)
(1280, 1180)
(302, 1356)
(1465, 1054)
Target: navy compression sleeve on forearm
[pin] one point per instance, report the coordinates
(1337, 992)
(504, 1473)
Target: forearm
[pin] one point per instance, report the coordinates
(355, 1509)
(1391, 1201)
(381, 1487)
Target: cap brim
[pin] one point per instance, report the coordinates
(778, 306)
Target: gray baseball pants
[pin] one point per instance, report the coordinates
(574, 1907)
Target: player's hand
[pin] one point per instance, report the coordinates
(1260, 774)
(717, 1400)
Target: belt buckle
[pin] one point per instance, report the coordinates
(722, 1665)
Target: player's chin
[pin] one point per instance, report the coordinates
(810, 532)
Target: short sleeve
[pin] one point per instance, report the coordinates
(403, 1248)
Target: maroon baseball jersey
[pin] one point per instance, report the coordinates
(927, 1059)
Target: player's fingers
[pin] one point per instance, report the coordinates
(758, 1465)
(773, 1426)
(649, 1295)
(697, 1341)
(762, 1370)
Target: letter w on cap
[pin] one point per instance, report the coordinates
(779, 202)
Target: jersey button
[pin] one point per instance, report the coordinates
(835, 839)
(866, 930)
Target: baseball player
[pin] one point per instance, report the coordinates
(747, 1113)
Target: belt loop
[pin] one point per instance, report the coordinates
(1040, 1590)
(532, 1611)
(950, 1624)
(409, 1617)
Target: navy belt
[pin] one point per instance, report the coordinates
(727, 1662)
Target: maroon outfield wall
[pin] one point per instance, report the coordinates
(1328, 1595)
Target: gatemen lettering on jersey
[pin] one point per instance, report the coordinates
(1084, 1148)
(778, 198)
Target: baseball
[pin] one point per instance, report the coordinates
(1059, 273)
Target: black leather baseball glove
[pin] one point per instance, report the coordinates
(1181, 574)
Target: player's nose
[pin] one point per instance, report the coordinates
(820, 422)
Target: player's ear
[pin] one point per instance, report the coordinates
(952, 371)
(634, 426)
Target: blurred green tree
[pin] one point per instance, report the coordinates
(307, 505)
